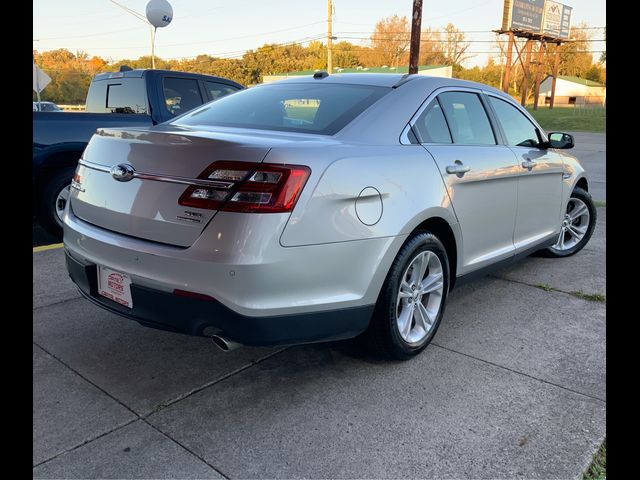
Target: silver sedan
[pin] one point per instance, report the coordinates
(320, 208)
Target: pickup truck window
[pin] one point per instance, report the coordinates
(120, 95)
(181, 94)
(217, 90)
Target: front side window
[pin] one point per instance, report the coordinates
(320, 108)
(181, 95)
(467, 118)
(519, 131)
(431, 126)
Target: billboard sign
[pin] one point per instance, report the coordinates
(557, 20)
(524, 15)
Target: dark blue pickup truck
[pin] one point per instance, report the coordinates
(119, 99)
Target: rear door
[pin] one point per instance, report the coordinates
(540, 181)
(481, 175)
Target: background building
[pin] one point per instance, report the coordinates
(433, 70)
(574, 91)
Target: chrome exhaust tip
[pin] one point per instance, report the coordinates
(224, 344)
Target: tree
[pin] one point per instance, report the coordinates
(455, 46)
(603, 55)
(390, 42)
(595, 73)
(345, 55)
(575, 58)
(431, 48)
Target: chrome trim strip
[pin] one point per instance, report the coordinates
(94, 166)
(404, 136)
(163, 178)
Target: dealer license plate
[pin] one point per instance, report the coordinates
(115, 286)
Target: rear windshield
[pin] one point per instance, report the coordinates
(117, 95)
(322, 108)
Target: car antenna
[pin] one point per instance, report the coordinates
(125, 68)
(320, 75)
(404, 79)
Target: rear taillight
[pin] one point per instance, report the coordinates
(76, 182)
(248, 187)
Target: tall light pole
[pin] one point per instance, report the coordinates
(329, 37)
(159, 13)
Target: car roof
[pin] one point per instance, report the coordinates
(387, 80)
(140, 72)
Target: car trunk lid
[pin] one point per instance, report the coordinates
(167, 158)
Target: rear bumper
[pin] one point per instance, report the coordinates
(166, 311)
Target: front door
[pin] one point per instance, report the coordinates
(481, 176)
(540, 182)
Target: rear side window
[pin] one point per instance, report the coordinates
(121, 95)
(219, 90)
(181, 94)
(467, 118)
(312, 108)
(517, 128)
(431, 126)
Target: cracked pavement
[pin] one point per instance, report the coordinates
(513, 385)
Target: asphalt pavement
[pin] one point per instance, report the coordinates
(513, 386)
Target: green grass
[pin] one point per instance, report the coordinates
(598, 468)
(600, 203)
(547, 288)
(592, 297)
(569, 119)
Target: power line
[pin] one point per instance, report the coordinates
(467, 31)
(444, 40)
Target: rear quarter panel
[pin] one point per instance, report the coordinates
(358, 192)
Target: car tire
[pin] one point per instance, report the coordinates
(47, 213)
(577, 226)
(388, 334)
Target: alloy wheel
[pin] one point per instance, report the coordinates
(419, 297)
(574, 225)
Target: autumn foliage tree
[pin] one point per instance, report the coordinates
(390, 42)
(71, 73)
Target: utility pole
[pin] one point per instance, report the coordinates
(507, 67)
(416, 25)
(329, 37)
(556, 63)
(526, 72)
(536, 88)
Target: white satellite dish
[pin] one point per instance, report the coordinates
(159, 13)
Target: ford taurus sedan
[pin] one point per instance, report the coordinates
(320, 208)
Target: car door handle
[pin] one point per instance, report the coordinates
(528, 164)
(458, 169)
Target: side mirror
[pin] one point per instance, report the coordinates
(560, 140)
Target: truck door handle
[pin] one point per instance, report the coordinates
(528, 164)
(458, 169)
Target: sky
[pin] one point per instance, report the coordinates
(227, 28)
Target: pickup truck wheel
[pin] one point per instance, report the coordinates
(411, 303)
(53, 200)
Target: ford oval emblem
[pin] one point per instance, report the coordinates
(123, 172)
